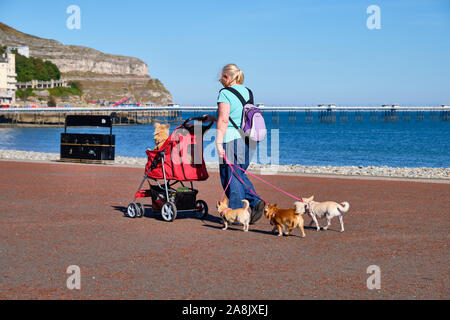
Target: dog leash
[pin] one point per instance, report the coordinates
(228, 184)
(232, 169)
(224, 190)
(264, 181)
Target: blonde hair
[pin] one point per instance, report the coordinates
(234, 72)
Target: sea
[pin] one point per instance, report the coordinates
(409, 139)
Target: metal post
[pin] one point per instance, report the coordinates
(164, 175)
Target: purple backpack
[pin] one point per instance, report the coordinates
(253, 125)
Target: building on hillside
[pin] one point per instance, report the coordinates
(8, 79)
(38, 84)
(23, 50)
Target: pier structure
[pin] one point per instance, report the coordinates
(275, 119)
(143, 114)
(39, 117)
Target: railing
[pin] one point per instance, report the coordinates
(214, 108)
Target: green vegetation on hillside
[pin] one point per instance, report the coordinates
(28, 69)
(2, 50)
(23, 94)
(73, 90)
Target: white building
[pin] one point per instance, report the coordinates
(23, 50)
(8, 79)
(38, 84)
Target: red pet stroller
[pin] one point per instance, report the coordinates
(179, 160)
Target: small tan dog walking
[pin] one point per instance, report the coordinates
(229, 216)
(285, 219)
(327, 209)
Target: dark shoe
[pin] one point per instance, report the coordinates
(257, 212)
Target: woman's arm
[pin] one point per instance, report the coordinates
(222, 124)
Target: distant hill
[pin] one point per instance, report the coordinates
(102, 76)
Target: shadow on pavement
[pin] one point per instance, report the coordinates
(239, 228)
(180, 215)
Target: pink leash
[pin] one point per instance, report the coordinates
(224, 190)
(264, 181)
(240, 179)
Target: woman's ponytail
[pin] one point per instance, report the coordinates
(234, 72)
(240, 77)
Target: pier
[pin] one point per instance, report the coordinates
(57, 116)
(131, 115)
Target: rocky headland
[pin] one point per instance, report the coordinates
(102, 76)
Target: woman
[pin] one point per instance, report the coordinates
(230, 142)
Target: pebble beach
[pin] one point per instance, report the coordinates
(363, 171)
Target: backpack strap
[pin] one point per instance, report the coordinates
(242, 100)
(251, 96)
(240, 97)
(237, 94)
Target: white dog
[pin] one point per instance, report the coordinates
(328, 209)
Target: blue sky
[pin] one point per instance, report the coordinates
(292, 52)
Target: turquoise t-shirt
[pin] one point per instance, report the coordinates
(235, 110)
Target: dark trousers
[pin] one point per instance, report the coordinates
(239, 153)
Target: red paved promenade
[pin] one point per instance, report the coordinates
(54, 215)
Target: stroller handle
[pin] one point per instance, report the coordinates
(202, 119)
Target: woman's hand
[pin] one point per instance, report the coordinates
(220, 150)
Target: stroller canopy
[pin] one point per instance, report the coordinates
(182, 154)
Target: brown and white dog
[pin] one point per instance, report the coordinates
(161, 134)
(229, 216)
(327, 209)
(283, 219)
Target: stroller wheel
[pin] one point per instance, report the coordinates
(169, 211)
(201, 209)
(140, 211)
(132, 210)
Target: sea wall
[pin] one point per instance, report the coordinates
(360, 171)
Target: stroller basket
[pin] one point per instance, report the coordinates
(184, 200)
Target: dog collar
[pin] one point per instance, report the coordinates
(223, 212)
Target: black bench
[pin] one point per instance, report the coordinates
(88, 147)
